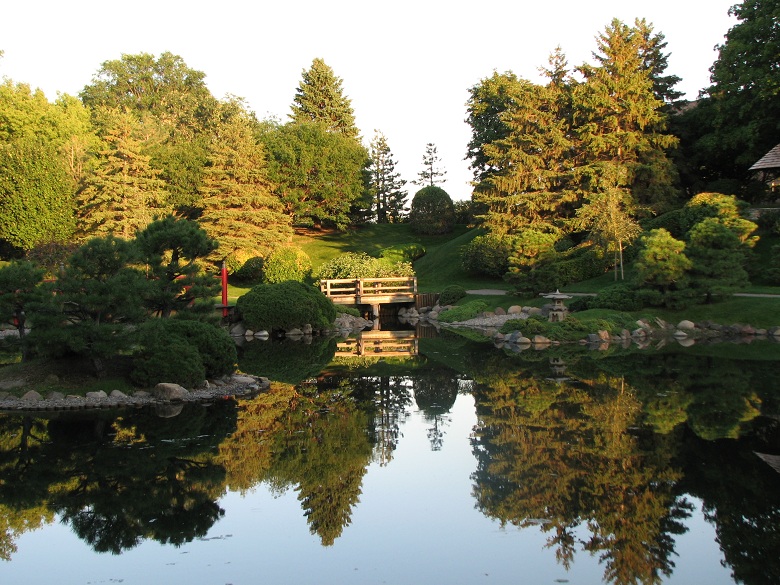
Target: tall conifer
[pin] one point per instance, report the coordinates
(320, 98)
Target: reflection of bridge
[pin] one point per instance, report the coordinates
(380, 344)
(370, 291)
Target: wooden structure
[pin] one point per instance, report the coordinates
(370, 291)
(768, 166)
(380, 344)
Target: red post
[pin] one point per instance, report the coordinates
(224, 290)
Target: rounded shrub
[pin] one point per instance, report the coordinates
(216, 349)
(487, 254)
(285, 305)
(286, 263)
(432, 211)
(251, 271)
(168, 360)
(452, 294)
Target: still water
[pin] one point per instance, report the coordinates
(461, 464)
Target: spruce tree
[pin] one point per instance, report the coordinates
(124, 193)
(240, 211)
(432, 173)
(320, 98)
(385, 184)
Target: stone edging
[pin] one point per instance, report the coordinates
(163, 394)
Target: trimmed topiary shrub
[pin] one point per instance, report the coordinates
(286, 263)
(452, 294)
(251, 271)
(361, 265)
(432, 211)
(182, 351)
(285, 305)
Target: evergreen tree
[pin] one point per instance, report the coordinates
(239, 209)
(124, 193)
(530, 185)
(718, 258)
(385, 184)
(432, 173)
(320, 98)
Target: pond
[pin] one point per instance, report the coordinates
(460, 463)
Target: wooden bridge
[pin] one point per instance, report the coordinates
(380, 344)
(370, 291)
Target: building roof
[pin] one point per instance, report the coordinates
(771, 160)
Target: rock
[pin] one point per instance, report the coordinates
(141, 394)
(32, 396)
(747, 330)
(774, 331)
(168, 410)
(686, 342)
(533, 311)
(262, 335)
(307, 329)
(514, 310)
(117, 394)
(639, 333)
(523, 341)
(239, 379)
(168, 391)
(96, 395)
(500, 311)
(294, 332)
(593, 338)
(540, 340)
(680, 334)
(604, 335)
(55, 396)
(237, 330)
(686, 325)
(249, 333)
(52, 379)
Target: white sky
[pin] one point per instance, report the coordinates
(406, 65)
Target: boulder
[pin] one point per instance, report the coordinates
(604, 335)
(168, 391)
(540, 340)
(32, 396)
(500, 311)
(514, 310)
(237, 330)
(55, 396)
(686, 325)
(117, 394)
(99, 395)
(534, 311)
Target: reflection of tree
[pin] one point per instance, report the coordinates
(287, 361)
(323, 449)
(435, 392)
(564, 454)
(118, 481)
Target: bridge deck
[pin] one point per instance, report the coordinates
(370, 291)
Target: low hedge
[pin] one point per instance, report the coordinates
(464, 312)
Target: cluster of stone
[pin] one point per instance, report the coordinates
(164, 393)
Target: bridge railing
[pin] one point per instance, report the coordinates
(379, 344)
(366, 290)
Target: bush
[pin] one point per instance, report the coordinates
(361, 265)
(286, 263)
(432, 211)
(572, 266)
(251, 271)
(463, 312)
(619, 297)
(452, 294)
(285, 305)
(183, 352)
(487, 254)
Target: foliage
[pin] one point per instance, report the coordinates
(560, 269)
(320, 98)
(286, 263)
(487, 254)
(432, 173)
(18, 291)
(527, 249)
(432, 211)
(661, 262)
(239, 210)
(361, 265)
(251, 270)
(319, 175)
(285, 305)
(718, 258)
(272, 359)
(170, 248)
(124, 192)
(36, 194)
(97, 297)
(161, 339)
(463, 312)
(451, 295)
(385, 184)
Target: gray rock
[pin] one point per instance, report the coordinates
(117, 394)
(32, 396)
(514, 310)
(55, 396)
(237, 330)
(294, 332)
(686, 325)
(500, 311)
(99, 395)
(168, 391)
(239, 379)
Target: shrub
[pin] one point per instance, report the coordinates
(345, 310)
(463, 312)
(487, 254)
(572, 266)
(182, 351)
(361, 265)
(452, 294)
(286, 263)
(285, 305)
(432, 211)
(272, 359)
(619, 297)
(251, 271)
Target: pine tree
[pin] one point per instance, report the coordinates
(240, 210)
(124, 193)
(432, 173)
(387, 192)
(320, 98)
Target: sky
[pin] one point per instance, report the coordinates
(406, 65)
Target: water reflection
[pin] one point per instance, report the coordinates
(601, 452)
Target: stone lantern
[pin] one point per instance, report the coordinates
(558, 311)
